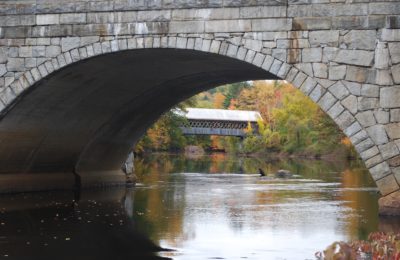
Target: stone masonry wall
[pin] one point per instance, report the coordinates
(344, 55)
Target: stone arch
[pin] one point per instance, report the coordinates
(336, 98)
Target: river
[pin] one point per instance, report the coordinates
(204, 207)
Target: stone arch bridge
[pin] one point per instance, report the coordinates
(81, 80)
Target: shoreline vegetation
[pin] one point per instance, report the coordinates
(292, 125)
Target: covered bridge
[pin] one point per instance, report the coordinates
(204, 121)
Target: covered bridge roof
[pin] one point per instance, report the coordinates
(222, 115)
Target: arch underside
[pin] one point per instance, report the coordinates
(86, 117)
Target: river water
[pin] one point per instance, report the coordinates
(207, 207)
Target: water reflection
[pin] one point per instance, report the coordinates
(204, 208)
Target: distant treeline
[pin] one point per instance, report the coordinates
(292, 123)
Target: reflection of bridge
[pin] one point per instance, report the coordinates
(201, 121)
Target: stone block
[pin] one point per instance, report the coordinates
(344, 120)
(299, 79)
(389, 205)
(312, 23)
(312, 55)
(308, 85)
(379, 171)
(306, 68)
(384, 8)
(389, 97)
(3, 69)
(393, 130)
(366, 118)
(394, 50)
(69, 43)
(382, 56)
(394, 115)
(360, 39)
(395, 69)
(25, 51)
(352, 129)
(357, 74)
(354, 57)
(73, 18)
(369, 154)
(389, 150)
(154, 15)
(364, 145)
(317, 93)
(339, 90)
(360, 136)
(354, 88)
(267, 63)
(374, 160)
(259, 59)
(324, 38)
(206, 14)
(276, 65)
(46, 19)
(119, 17)
(320, 70)
(3, 55)
(351, 104)
(394, 162)
(381, 116)
(262, 12)
(369, 90)
(335, 110)
(186, 27)
(365, 103)
(390, 35)
(293, 56)
(16, 64)
(279, 54)
(104, 18)
(227, 26)
(382, 77)
(53, 51)
(337, 72)
(386, 185)
(378, 134)
(327, 101)
(276, 24)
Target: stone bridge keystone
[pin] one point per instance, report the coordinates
(81, 80)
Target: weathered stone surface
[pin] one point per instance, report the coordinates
(366, 118)
(70, 43)
(393, 130)
(339, 90)
(355, 57)
(369, 90)
(378, 134)
(389, 205)
(396, 73)
(337, 72)
(389, 97)
(394, 50)
(382, 56)
(327, 101)
(320, 70)
(389, 150)
(360, 39)
(380, 171)
(395, 115)
(395, 161)
(324, 38)
(366, 103)
(312, 55)
(16, 64)
(381, 116)
(344, 120)
(351, 104)
(45, 19)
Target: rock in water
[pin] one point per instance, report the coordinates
(283, 174)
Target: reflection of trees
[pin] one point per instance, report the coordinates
(363, 203)
(162, 211)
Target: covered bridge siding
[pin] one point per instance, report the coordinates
(202, 121)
